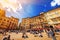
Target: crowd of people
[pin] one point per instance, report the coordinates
(49, 31)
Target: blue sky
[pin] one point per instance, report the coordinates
(33, 8)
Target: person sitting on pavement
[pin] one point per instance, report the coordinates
(6, 37)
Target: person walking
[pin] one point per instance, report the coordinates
(8, 37)
(52, 33)
(40, 33)
(48, 32)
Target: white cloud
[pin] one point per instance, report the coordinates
(10, 5)
(14, 7)
(55, 2)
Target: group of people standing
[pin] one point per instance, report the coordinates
(50, 33)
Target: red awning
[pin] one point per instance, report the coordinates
(37, 29)
(58, 27)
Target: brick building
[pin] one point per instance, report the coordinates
(34, 22)
(51, 17)
(7, 22)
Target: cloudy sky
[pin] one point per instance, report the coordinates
(27, 8)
